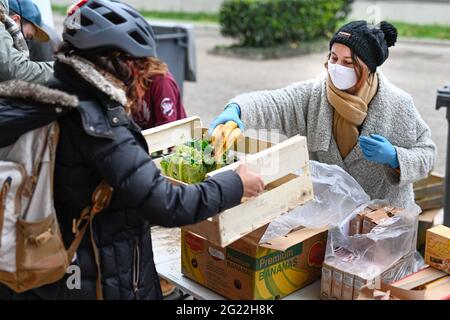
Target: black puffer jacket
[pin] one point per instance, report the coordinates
(98, 141)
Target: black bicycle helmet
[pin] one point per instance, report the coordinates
(104, 25)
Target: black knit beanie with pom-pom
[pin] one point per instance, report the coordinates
(370, 43)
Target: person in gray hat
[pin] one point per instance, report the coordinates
(14, 54)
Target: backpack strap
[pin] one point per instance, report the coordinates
(100, 201)
(3, 192)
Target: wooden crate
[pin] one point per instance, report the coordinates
(288, 185)
(429, 192)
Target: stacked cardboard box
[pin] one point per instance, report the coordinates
(437, 248)
(430, 192)
(372, 219)
(342, 279)
(428, 219)
(426, 277)
(429, 195)
(426, 284)
(340, 282)
(356, 224)
(369, 218)
(344, 274)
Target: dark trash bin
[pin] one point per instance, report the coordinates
(443, 101)
(176, 47)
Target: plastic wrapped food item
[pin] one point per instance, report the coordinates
(390, 240)
(190, 162)
(384, 254)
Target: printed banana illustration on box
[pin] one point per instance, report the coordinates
(245, 270)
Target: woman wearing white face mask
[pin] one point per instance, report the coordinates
(351, 115)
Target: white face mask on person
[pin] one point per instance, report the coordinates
(343, 77)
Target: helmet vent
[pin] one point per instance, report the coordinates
(94, 5)
(138, 38)
(71, 32)
(85, 22)
(131, 12)
(145, 31)
(114, 18)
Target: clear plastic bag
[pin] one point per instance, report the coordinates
(387, 252)
(390, 247)
(336, 195)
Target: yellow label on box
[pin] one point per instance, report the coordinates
(261, 275)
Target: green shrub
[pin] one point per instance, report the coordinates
(267, 23)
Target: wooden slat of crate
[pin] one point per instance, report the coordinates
(286, 157)
(236, 222)
(181, 131)
(173, 133)
(435, 202)
(277, 161)
(432, 186)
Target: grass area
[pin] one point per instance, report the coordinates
(59, 9)
(184, 16)
(422, 31)
(404, 29)
(178, 16)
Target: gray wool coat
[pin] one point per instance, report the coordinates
(302, 108)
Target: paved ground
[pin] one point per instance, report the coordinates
(416, 68)
(419, 69)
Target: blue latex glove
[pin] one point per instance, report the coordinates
(378, 149)
(232, 112)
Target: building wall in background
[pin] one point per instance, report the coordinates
(210, 6)
(46, 11)
(412, 11)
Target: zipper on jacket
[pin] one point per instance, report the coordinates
(136, 269)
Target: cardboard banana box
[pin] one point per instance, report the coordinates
(247, 270)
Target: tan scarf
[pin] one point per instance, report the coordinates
(350, 112)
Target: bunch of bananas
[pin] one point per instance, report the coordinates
(223, 138)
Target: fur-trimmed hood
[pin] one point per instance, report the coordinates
(25, 106)
(96, 77)
(78, 85)
(38, 93)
